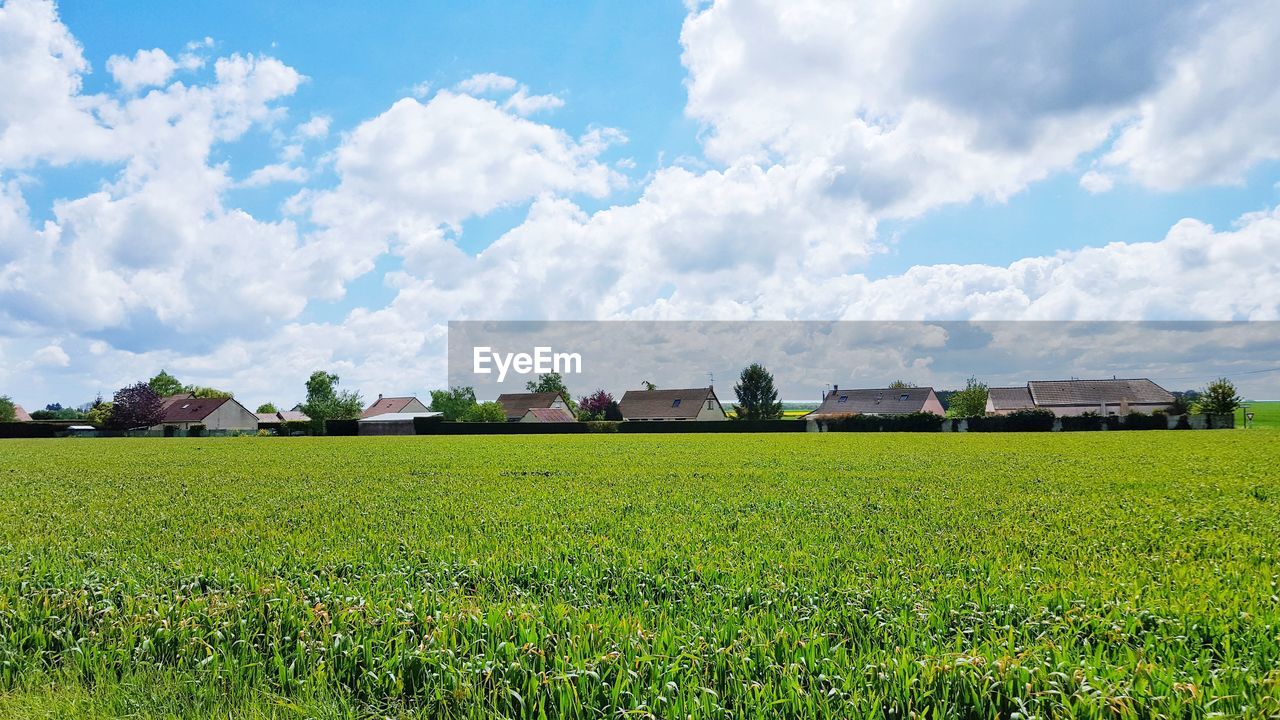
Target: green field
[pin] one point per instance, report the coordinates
(1119, 574)
(1265, 415)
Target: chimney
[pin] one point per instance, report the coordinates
(379, 396)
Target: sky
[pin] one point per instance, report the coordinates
(244, 192)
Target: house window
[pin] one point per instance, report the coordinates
(709, 405)
(843, 398)
(902, 397)
(675, 403)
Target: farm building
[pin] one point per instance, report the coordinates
(1076, 397)
(545, 415)
(687, 404)
(20, 414)
(183, 411)
(395, 423)
(878, 401)
(1004, 400)
(384, 405)
(517, 405)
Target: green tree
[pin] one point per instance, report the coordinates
(901, 385)
(326, 402)
(98, 413)
(454, 402)
(485, 412)
(757, 397)
(1220, 398)
(165, 384)
(8, 411)
(1181, 404)
(969, 402)
(648, 385)
(552, 382)
(202, 391)
(267, 408)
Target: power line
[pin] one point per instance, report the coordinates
(1229, 374)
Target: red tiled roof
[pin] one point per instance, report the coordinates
(385, 405)
(191, 409)
(20, 415)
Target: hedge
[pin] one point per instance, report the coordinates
(910, 422)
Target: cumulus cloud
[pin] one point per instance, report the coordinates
(51, 356)
(925, 104)
(820, 120)
(144, 69)
(1096, 182)
(454, 157)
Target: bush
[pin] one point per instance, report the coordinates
(602, 426)
(912, 422)
(1087, 421)
(195, 430)
(1033, 420)
(485, 412)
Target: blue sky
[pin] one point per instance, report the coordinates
(329, 186)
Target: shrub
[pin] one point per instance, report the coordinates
(1087, 421)
(485, 412)
(1031, 420)
(195, 430)
(602, 426)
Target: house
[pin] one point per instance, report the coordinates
(517, 405)
(183, 411)
(20, 415)
(877, 401)
(1004, 400)
(545, 415)
(394, 423)
(1076, 397)
(687, 404)
(384, 405)
(283, 416)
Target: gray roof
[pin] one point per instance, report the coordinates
(548, 415)
(1140, 391)
(1010, 398)
(385, 405)
(655, 404)
(515, 405)
(875, 401)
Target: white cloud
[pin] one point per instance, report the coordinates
(452, 158)
(1218, 115)
(482, 83)
(315, 128)
(145, 69)
(820, 120)
(51, 356)
(522, 103)
(274, 173)
(1096, 182)
(924, 104)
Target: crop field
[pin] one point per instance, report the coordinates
(1266, 415)
(1118, 574)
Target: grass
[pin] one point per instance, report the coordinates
(952, 576)
(1265, 415)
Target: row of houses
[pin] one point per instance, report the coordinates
(1062, 397)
